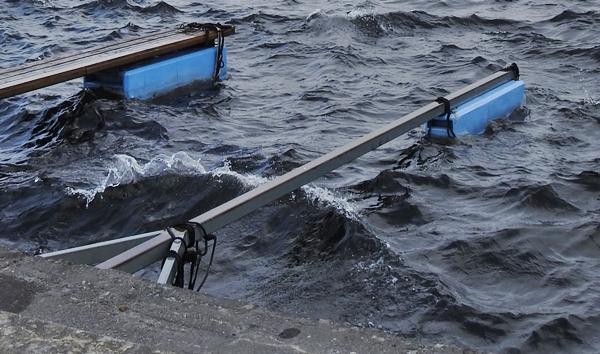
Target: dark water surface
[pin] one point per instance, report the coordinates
(488, 241)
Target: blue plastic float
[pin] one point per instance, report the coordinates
(162, 74)
(473, 116)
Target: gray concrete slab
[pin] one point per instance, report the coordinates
(20, 334)
(57, 307)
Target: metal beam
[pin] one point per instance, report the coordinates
(280, 186)
(101, 251)
(140, 256)
(268, 192)
(170, 263)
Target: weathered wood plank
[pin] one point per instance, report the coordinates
(61, 59)
(35, 75)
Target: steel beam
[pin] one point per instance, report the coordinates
(268, 192)
(140, 256)
(101, 251)
(170, 263)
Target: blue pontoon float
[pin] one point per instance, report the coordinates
(474, 115)
(158, 75)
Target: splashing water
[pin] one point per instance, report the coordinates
(322, 197)
(128, 170)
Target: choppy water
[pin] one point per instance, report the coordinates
(488, 241)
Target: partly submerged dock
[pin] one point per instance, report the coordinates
(492, 97)
(57, 307)
(47, 72)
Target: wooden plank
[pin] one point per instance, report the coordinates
(86, 62)
(44, 73)
(39, 65)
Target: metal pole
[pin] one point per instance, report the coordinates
(280, 186)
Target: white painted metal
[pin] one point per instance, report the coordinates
(101, 251)
(170, 262)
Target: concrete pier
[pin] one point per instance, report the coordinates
(51, 306)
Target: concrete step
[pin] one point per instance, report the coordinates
(81, 309)
(22, 334)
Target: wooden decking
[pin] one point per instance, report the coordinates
(35, 75)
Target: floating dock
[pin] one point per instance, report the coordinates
(129, 64)
(133, 253)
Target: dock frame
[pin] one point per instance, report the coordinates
(151, 249)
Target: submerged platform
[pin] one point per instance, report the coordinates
(56, 307)
(43, 73)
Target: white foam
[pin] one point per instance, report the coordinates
(315, 14)
(358, 13)
(251, 181)
(127, 169)
(325, 197)
(590, 99)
